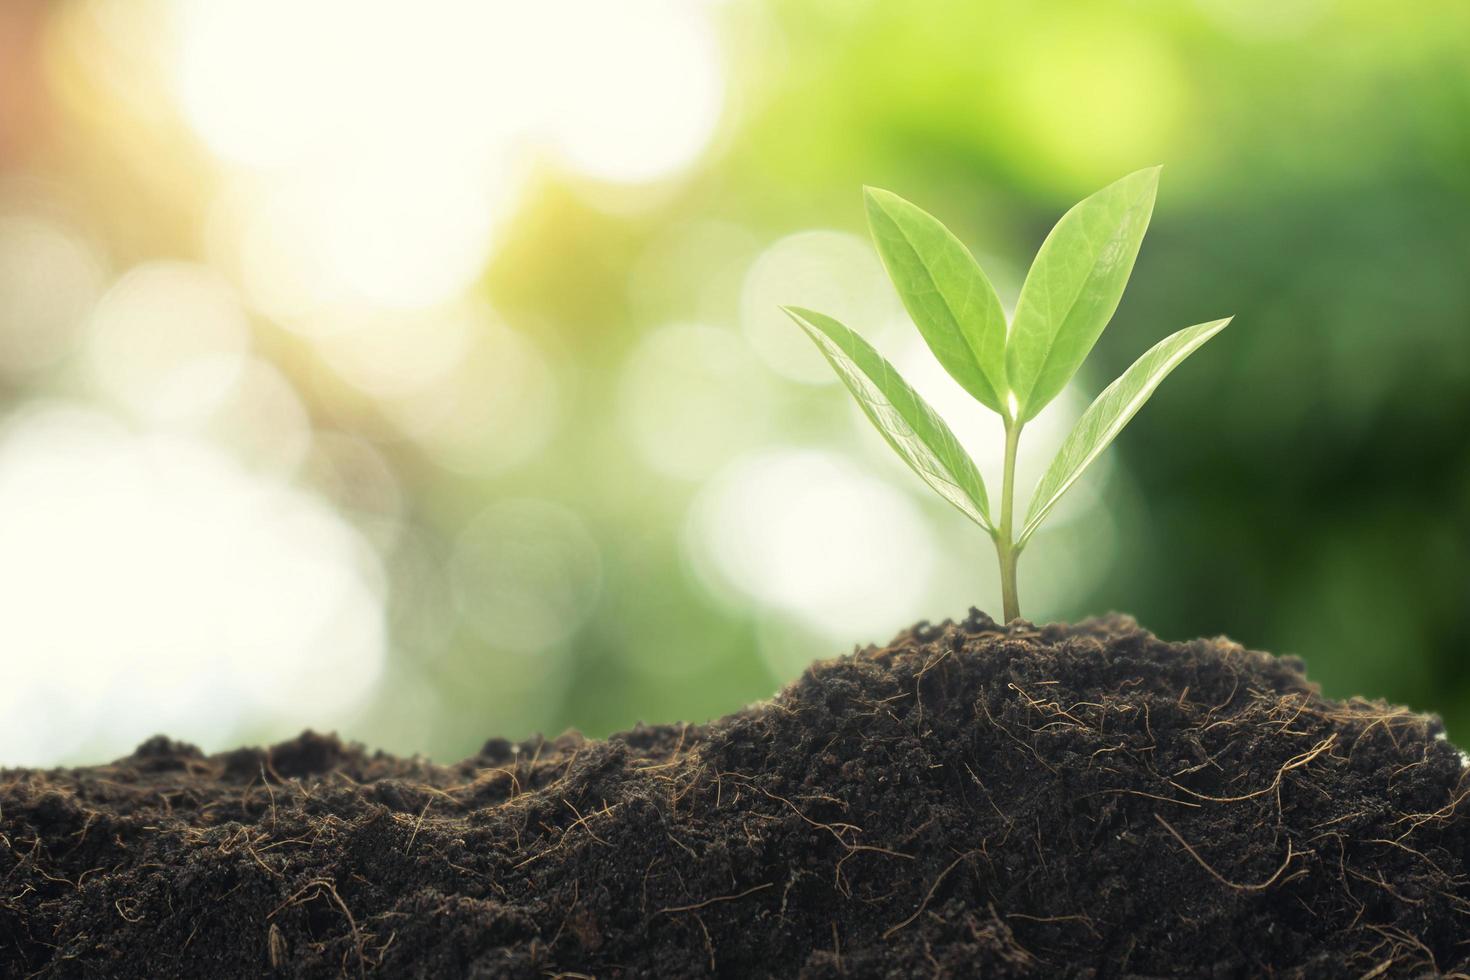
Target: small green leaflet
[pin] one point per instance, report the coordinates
(949, 297)
(908, 423)
(1074, 286)
(1109, 413)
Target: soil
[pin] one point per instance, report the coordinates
(1079, 801)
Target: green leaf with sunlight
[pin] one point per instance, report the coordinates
(949, 297)
(908, 423)
(1069, 295)
(1109, 413)
(1074, 286)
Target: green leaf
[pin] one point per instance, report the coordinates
(947, 294)
(1107, 415)
(1074, 286)
(908, 423)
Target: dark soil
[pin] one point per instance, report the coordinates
(969, 801)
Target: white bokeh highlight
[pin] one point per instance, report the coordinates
(829, 271)
(49, 278)
(812, 535)
(499, 406)
(372, 153)
(154, 584)
(168, 342)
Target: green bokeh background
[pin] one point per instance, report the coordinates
(1302, 485)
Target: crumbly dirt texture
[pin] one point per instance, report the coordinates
(1059, 801)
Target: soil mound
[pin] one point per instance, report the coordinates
(971, 800)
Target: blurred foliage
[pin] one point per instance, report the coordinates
(1304, 489)
(1307, 489)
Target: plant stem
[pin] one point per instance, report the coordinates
(1005, 544)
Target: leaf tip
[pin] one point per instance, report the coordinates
(1146, 179)
(808, 320)
(877, 198)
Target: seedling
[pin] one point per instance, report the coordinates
(1012, 369)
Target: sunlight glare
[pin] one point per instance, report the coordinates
(153, 584)
(637, 87)
(831, 272)
(815, 536)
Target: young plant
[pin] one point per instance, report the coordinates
(1012, 369)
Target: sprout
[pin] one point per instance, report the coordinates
(1012, 369)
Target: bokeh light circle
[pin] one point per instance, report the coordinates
(390, 354)
(815, 536)
(152, 584)
(49, 278)
(497, 408)
(833, 272)
(630, 92)
(637, 87)
(168, 341)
